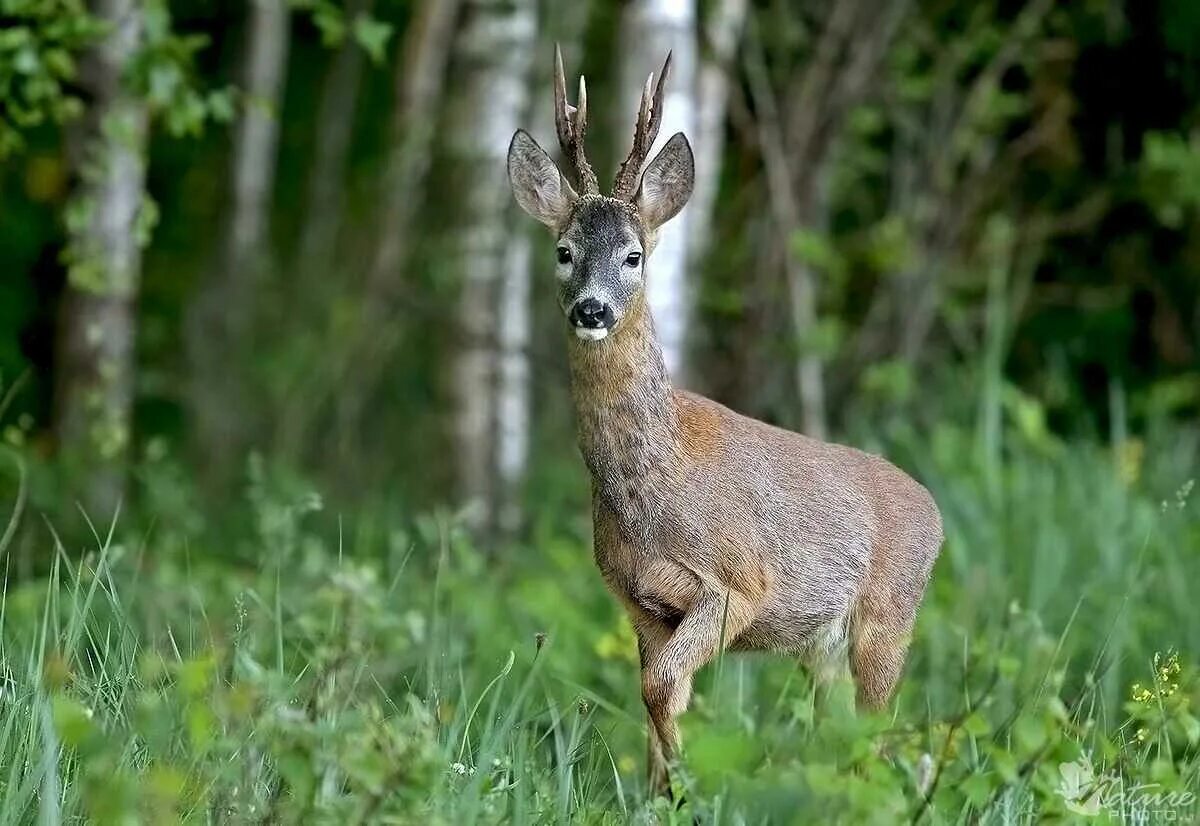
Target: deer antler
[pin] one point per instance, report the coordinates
(650, 114)
(571, 124)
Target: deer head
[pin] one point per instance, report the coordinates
(602, 241)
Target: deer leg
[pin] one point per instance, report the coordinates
(877, 651)
(713, 618)
(652, 636)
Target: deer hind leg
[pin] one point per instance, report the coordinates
(878, 646)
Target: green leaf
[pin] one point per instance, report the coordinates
(978, 787)
(72, 720)
(977, 725)
(373, 36)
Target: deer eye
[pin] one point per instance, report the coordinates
(564, 255)
(633, 259)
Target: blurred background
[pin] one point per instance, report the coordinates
(268, 226)
(258, 421)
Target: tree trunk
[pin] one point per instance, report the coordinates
(95, 380)
(494, 58)
(420, 75)
(327, 178)
(224, 312)
(797, 140)
(722, 32)
(786, 210)
(649, 29)
(420, 78)
(513, 414)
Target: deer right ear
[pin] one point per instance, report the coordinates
(539, 187)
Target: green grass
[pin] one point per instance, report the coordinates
(370, 671)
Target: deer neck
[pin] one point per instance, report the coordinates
(627, 419)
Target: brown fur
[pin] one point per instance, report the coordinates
(712, 528)
(694, 505)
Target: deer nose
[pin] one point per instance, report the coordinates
(592, 314)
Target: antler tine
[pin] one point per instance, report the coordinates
(562, 121)
(570, 122)
(650, 112)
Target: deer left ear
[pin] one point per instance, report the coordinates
(539, 187)
(666, 183)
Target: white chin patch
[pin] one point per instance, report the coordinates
(591, 334)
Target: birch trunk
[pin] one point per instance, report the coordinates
(723, 29)
(649, 29)
(419, 80)
(494, 58)
(513, 414)
(335, 129)
(256, 140)
(420, 76)
(95, 382)
(219, 326)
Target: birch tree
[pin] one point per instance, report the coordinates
(335, 129)
(493, 62)
(419, 81)
(649, 29)
(223, 312)
(107, 225)
(722, 29)
(420, 75)
(513, 414)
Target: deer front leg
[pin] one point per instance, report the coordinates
(713, 619)
(652, 636)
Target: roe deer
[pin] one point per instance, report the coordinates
(711, 527)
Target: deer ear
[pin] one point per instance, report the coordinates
(666, 183)
(540, 188)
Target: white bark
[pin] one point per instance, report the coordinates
(513, 414)
(95, 391)
(723, 30)
(223, 313)
(335, 129)
(512, 384)
(257, 134)
(495, 53)
(419, 81)
(649, 29)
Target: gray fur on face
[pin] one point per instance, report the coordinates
(601, 233)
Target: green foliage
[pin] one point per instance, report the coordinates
(40, 43)
(370, 674)
(331, 20)
(163, 74)
(1170, 176)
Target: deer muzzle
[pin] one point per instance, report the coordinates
(592, 318)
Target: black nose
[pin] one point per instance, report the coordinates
(591, 313)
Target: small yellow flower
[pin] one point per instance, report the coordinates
(1140, 694)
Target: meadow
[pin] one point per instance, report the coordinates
(293, 525)
(309, 667)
